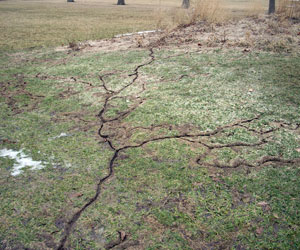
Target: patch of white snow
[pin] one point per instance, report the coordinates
(137, 33)
(59, 136)
(22, 160)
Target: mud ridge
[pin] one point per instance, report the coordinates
(201, 138)
(19, 89)
(106, 138)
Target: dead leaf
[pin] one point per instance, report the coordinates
(265, 205)
(250, 90)
(298, 150)
(276, 215)
(122, 235)
(246, 199)
(75, 195)
(198, 184)
(259, 230)
(262, 203)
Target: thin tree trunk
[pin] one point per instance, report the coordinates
(271, 6)
(185, 4)
(121, 2)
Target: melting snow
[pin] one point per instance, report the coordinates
(137, 33)
(22, 160)
(59, 136)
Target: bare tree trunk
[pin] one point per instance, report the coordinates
(121, 2)
(185, 4)
(271, 6)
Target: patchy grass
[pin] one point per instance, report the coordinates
(172, 193)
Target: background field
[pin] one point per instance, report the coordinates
(28, 24)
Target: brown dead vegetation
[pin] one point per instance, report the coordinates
(252, 33)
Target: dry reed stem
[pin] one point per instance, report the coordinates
(288, 9)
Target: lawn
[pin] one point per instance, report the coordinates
(44, 23)
(185, 139)
(151, 149)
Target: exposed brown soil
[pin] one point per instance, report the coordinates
(261, 33)
(19, 89)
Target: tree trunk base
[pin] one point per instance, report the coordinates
(185, 4)
(271, 7)
(121, 2)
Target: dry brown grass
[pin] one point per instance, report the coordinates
(256, 8)
(288, 9)
(211, 11)
(37, 23)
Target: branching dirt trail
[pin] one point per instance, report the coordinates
(192, 135)
(104, 122)
(199, 138)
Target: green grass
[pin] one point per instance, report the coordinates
(158, 195)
